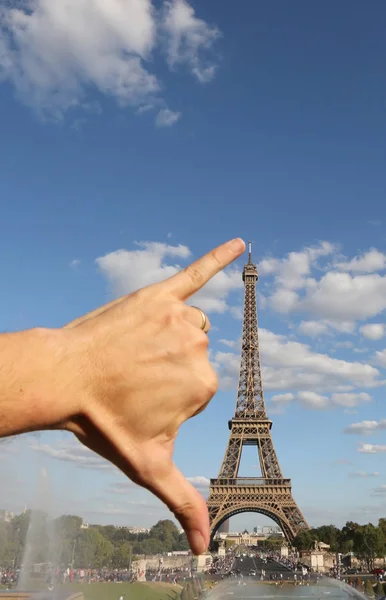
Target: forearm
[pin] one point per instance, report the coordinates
(32, 392)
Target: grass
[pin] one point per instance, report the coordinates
(129, 591)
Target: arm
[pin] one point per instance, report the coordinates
(32, 387)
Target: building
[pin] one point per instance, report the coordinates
(6, 515)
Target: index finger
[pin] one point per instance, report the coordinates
(195, 276)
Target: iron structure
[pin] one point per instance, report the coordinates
(270, 494)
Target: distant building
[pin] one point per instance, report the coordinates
(271, 529)
(84, 526)
(6, 515)
(137, 530)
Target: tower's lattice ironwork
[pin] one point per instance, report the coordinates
(269, 494)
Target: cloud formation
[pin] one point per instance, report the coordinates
(366, 427)
(373, 331)
(127, 271)
(55, 53)
(294, 367)
(364, 474)
(72, 452)
(335, 293)
(372, 448)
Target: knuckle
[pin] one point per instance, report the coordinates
(183, 511)
(195, 274)
(173, 315)
(210, 383)
(215, 258)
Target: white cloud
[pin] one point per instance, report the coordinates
(229, 343)
(364, 474)
(292, 271)
(340, 296)
(379, 490)
(237, 312)
(282, 398)
(167, 117)
(350, 399)
(366, 427)
(199, 482)
(313, 400)
(371, 448)
(373, 331)
(75, 263)
(127, 271)
(293, 367)
(187, 36)
(72, 452)
(369, 262)
(346, 292)
(380, 358)
(313, 328)
(284, 301)
(55, 52)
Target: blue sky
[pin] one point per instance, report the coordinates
(136, 136)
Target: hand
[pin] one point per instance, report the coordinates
(144, 370)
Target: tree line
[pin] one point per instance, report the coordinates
(367, 542)
(64, 542)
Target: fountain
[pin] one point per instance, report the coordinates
(41, 553)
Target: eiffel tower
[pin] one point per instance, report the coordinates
(270, 494)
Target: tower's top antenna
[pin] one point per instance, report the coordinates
(250, 253)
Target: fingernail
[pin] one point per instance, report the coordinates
(198, 542)
(237, 245)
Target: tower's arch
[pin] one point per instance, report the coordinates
(272, 512)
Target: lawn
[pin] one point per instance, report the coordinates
(129, 591)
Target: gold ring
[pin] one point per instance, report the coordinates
(204, 320)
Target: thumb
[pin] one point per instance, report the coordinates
(188, 506)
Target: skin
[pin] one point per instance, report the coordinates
(123, 379)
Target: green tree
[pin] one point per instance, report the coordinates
(122, 556)
(382, 527)
(329, 534)
(166, 532)
(93, 548)
(304, 540)
(68, 529)
(369, 544)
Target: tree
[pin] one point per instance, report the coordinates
(369, 544)
(67, 528)
(329, 534)
(382, 527)
(122, 556)
(166, 532)
(92, 548)
(304, 540)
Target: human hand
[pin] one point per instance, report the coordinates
(142, 369)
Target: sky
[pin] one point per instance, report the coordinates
(136, 136)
